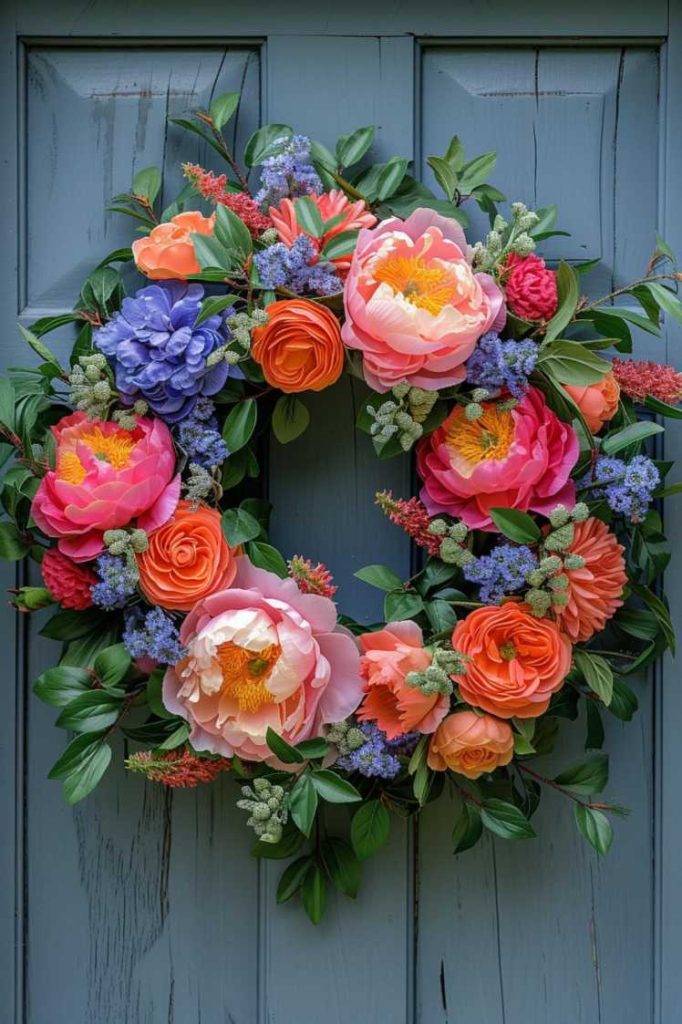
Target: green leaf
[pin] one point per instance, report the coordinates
(290, 418)
(232, 232)
(476, 172)
(667, 300)
(82, 652)
(58, 686)
(222, 108)
(90, 712)
(341, 865)
(12, 545)
(402, 604)
(663, 408)
(314, 894)
(352, 147)
(379, 576)
(8, 401)
(39, 348)
(211, 253)
(517, 526)
(454, 154)
(292, 879)
(370, 829)
(505, 820)
(176, 738)
(239, 526)
(81, 782)
(467, 829)
(102, 291)
(281, 749)
(308, 216)
(660, 610)
(71, 625)
(214, 304)
(620, 312)
(596, 672)
(303, 804)
(264, 556)
(342, 244)
(595, 827)
(390, 177)
(112, 664)
(147, 183)
(74, 755)
(154, 694)
(265, 142)
(240, 424)
(586, 777)
(635, 433)
(568, 287)
(332, 788)
(594, 739)
(624, 701)
(441, 615)
(313, 748)
(445, 175)
(569, 362)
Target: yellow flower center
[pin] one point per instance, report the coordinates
(115, 449)
(425, 285)
(508, 651)
(245, 674)
(489, 437)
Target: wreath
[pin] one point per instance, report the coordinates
(187, 632)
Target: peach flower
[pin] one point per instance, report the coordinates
(262, 654)
(332, 205)
(187, 559)
(471, 744)
(167, 252)
(517, 660)
(299, 348)
(508, 458)
(594, 592)
(414, 307)
(597, 402)
(387, 657)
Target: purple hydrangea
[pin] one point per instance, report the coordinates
(199, 437)
(118, 582)
(378, 757)
(501, 572)
(152, 635)
(288, 173)
(627, 486)
(281, 267)
(496, 364)
(159, 354)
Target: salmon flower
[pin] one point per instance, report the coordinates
(517, 660)
(507, 458)
(105, 478)
(597, 402)
(334, 207)
(414, 306)
(299, 348)
(167, 252)
(470, 744)
(595, 589)
(262, 655)
(387, 657)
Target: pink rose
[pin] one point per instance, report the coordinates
(518, 458)
(105, 478)
(414, 307)
(530, 288)
(262, 654)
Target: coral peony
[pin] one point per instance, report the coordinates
(517, 660)
(530, 287)
(597, 402)
(68, 583)
(471, 744)
(387, 657)
(333, 206)
(594, 591)
(414, 307)
(519, 458)
(262, 655)
(105, 478)
(299, 348)
(167, 252)
(187, 559)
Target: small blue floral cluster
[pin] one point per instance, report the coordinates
(118, 582)
(280, 267)
(199, 437)
(627, 486)
(152, 635)
(501, 572)
(378, 757)
(288, 173)
(496, 364)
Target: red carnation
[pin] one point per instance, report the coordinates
(530, 287)
(68, 582)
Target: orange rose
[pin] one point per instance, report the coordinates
(517, 660)
(470, 744)
(168, 251)
(597, 402)
(300, 347)
(187, 559)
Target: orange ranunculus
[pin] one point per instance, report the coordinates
(168, 251)
(597, 402)
(594, 590)
(187, 559)
(300, 347)
(470, 744)
(517, 660)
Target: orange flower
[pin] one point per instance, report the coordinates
(470, 744)
(517, 660)
(168, 251)
(300, 347)
(187, 559)
(597, 402)
(594, 591)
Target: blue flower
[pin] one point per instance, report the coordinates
(281, 267)
(199, 437)
(118, 582)
(377, 758)
(288, 173)
(627, 487)
(152, 635)
(158, 353)
(496, 364)
(501, 572)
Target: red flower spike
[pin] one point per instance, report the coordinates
(312, 579)
(214, 188)
(639, 378)
(412, 517)
(179, 769)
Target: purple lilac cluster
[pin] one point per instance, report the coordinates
(199, 437)
(281, 267)
(378, 757)
(501, 572)
(118, 582)
(627, 486)
(158, 351)
(496, 364)
(152, 635)
(288, 173)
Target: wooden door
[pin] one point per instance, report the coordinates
(144, 906)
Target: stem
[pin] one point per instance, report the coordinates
(555, 785)
(612, 654)
(625, 289)
(466, 604)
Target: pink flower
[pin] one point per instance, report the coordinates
(68, 583)
(259, 655)
(530, 287)
(311, 579)
(105, 478)
(414, 307)
(641, 377)
(411, 516)
(214, 188)
(387, 657)
(519, 458)
(333, 204)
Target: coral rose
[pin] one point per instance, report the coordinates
(517, 660)
(334, 206)
(387, 657)
(518, 458)
(300, 347)
(530, 287)
(414, 307)
(262, 655)
(167, 253)
(68, 583)
(471, 744)
(597, 402)
(594, 591)
(187, 559)
(105, 478)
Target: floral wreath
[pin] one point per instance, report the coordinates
(187, 632)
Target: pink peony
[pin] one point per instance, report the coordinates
(332, 205)
(105, 478)
(68, 583)
(519, 458)
(530, 287)
(414, 307)
(262, 654)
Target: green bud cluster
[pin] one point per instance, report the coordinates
(128, 543)
(402, 415)
(269, 237)
(199, 483)
(506, 238)
(267, 805)
(453, 537)
(437, 677)
(346, 737)
(29, 599)
(91, 391)
(548, 582)
(126, 418)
